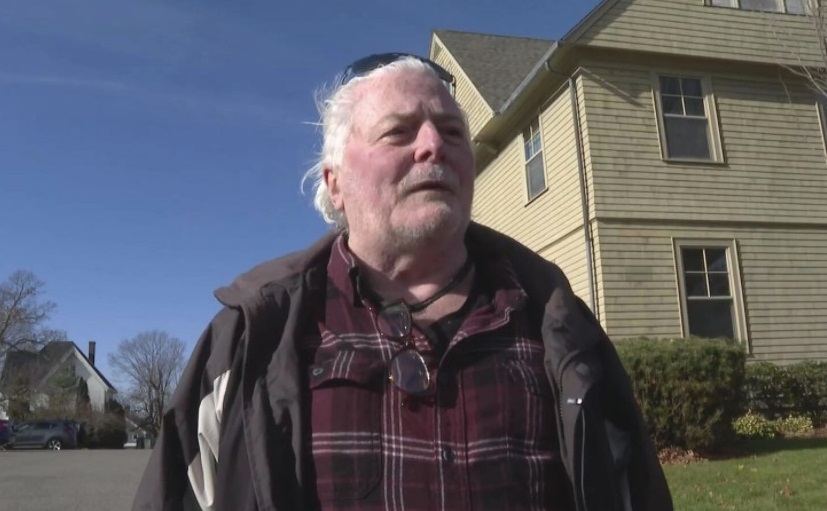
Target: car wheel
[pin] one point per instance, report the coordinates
(54, 444)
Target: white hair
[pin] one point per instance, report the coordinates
(335, 107)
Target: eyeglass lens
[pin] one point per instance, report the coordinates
(394, 321)
(410, 373)
(371, 62)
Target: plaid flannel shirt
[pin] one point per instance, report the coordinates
(486, 441)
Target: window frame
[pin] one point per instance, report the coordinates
(821, 111)
(782, 3)
(710, 106)
(539, 154)
(730, 246)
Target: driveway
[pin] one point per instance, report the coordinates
(70, 480)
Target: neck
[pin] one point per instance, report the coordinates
(411, 275)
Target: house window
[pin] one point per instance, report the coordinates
(785, 6)
(686, 118)
(710, 290)
(534, 169)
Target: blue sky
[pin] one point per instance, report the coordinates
(152, 150)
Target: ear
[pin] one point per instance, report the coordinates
(331, 179)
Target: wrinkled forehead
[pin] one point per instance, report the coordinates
(403, 92)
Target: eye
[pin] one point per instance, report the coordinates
(396, 131)
(453, 131)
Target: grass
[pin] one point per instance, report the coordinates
(772, 475)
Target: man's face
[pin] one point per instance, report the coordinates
(407, 174)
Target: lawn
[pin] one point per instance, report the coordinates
(773, 475)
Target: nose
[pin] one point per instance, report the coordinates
(429, 143)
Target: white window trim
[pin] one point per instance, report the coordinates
(821, 111)
(739, 322)
(782, 10)
(715, 144)
(541, 155)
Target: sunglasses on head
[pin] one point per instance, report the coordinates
(367, 64)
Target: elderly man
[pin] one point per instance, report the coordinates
(411, 359)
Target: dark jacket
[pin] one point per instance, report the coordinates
(232, 438)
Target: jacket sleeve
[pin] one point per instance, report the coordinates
(181, 471)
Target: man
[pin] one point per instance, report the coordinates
(410, 360)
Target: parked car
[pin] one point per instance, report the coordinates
(54, 435)
(6, 433)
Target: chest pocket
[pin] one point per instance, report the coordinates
(531, 405)
(346, 440)
(531, 426)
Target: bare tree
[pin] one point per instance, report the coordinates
(816, 75)
(23, 313)
(804, 42)
(151, 363)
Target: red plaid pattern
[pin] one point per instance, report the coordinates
(486, 441)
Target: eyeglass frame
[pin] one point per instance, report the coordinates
(408, 352)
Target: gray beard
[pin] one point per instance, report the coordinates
(413, 238)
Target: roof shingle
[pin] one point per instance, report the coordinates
(496, 65)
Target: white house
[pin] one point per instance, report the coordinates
(54, 359)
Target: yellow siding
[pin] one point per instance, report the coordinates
(690, 28)
(569, 253)
(468, 97)
(784, 282)
(775, 167)
(501, 200)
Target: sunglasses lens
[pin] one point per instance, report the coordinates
(394, 321)
(409, 372)
(367, 64)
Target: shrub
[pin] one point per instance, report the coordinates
(104, 430)
(777, 391)
(794, 426)
(754, 425)
(690, 390)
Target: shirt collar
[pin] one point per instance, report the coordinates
(344, 275)
(343, 271)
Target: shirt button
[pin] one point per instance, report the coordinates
(447, 455)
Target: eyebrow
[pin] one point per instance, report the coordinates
(404, 117)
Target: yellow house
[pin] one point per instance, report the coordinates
(663, 154)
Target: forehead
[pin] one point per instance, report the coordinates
(402, 92)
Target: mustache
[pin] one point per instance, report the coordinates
(432, 175)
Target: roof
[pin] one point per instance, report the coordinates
(21, 361)
(40, 363)
(495, 64)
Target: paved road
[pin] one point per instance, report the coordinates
(70, 480)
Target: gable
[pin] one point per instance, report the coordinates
(495, 65)
(41, 365)
(81, 358)
(691, 28)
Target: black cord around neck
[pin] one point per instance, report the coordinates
(459, 277)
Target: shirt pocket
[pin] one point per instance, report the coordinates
(346, 431)
(530, 421)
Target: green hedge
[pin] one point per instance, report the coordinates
(777, 391)
(690, 390)
(103, 430)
